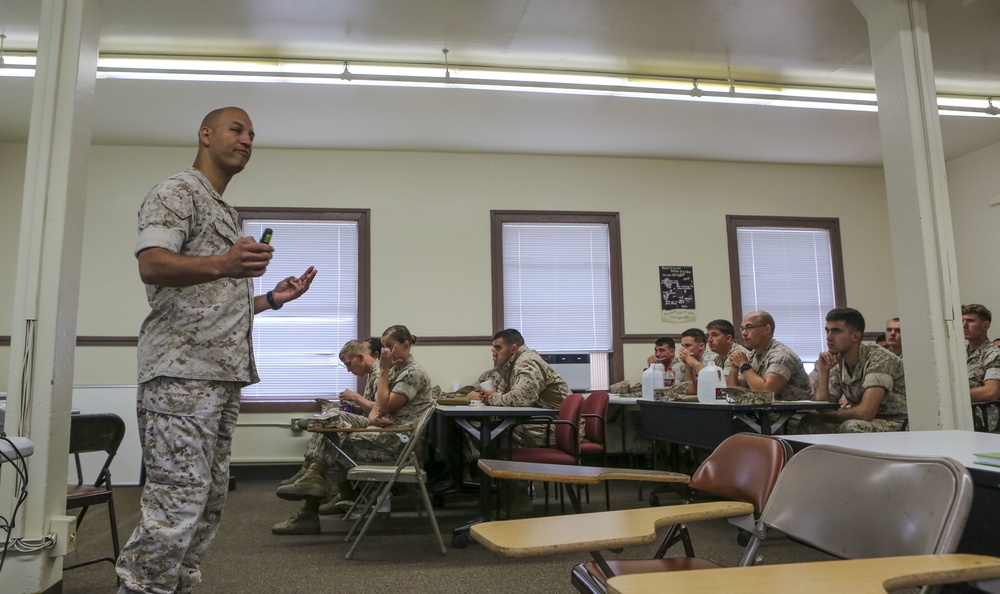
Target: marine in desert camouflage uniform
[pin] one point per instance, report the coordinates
(866, 379)
(521, 378)
(399, 390)
(773, 367)
(194, 355)
(984, 365)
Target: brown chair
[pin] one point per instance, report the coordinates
(745, 467)
(594, 443)
(87, 434)
(566, 426)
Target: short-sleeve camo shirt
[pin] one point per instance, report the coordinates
(527, 380)
(984, 364)
(876, 368)
(203, 331)
(409, 379)
(781, 360)
(712, 358)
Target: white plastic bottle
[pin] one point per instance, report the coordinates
(652, 379)
(709, 379)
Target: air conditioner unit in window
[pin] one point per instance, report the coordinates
(582, 372)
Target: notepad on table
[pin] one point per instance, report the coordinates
(989, 458)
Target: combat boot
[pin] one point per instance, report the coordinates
(297, 475)
(304, 521)
(311, 485)
(341, 500)
(520, 500)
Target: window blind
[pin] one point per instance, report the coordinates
(788, 272)
(297, 347)
(557, 285)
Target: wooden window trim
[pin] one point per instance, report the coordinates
(362, 216)
(832, 225)
(611, 219)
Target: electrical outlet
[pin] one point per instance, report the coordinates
(295, 424)
(64, 528)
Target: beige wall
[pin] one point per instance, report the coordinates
(974, 188)
(430, 228)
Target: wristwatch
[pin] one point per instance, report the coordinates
(746, 367)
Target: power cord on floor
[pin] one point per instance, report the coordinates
(20, 466)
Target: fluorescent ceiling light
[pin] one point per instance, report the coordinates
(433, 76)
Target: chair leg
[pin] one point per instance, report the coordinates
(369, 516)
(430, 513)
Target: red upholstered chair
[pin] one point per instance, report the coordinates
(594, 441)
(567, 440)
(745, 467)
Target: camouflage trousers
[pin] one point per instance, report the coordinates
(803, 425)
(988, 421)
(186, 432)
(360, 447)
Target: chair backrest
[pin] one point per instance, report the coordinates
(95, 433)
(595, 415)
(744, 467)
(415, 436)
(568, 428)
(856, 504)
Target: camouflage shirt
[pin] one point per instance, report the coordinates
(526, 380)
(780, 360)
(408, 379)
(984, 364)
(876, 368)
(203, 331)
(711, 358)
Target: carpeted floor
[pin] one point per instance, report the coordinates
(399, 553)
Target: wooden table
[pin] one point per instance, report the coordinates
(854, 576)
(575, 475)
(551, 535)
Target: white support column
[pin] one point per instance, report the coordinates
(923, 244)
(46, 293)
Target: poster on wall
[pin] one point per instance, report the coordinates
(677, 294)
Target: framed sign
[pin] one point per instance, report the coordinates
(677, 294)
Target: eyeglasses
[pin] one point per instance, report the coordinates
(750, 327)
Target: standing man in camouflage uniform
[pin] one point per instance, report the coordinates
(773, 367)
(865, 379)
(984, 364)
(194, 354)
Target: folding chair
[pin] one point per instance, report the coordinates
(745, 467)
(94, 433)
(854, 504)
(378, 480)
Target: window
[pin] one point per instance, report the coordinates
(297, 347)
(792, 268)
(557, 279)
